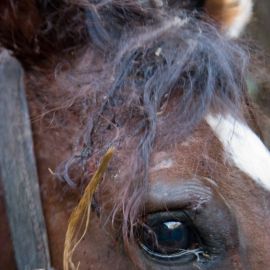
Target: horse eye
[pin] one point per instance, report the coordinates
(168, 238)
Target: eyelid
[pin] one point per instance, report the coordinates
(172, 256)
(177, 194)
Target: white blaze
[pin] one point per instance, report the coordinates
(243, 147)
(240, 21)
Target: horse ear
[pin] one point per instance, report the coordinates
(19, 23)
(37, 32)
(232, 15)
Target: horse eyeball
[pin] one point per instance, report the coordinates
(168, 239)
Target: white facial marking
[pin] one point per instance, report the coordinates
(164, 164)
(241, 20)
(243, 147)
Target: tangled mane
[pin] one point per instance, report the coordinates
(150, 66)
(147, 62)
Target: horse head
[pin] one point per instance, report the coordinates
(165, 84)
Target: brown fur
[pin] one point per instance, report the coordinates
(224, 11)
(60, 104)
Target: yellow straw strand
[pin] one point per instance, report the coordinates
(80, 216)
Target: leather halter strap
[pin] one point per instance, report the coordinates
(18, 171)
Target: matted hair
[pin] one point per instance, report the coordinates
(143, 59)
(147, 61)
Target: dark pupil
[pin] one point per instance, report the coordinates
(167, 238)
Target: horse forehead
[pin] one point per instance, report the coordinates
(200, 143)
(221, 142)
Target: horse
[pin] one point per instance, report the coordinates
(163, 83)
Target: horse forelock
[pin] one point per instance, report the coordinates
(146, 64)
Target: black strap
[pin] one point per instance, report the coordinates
(18, 170)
